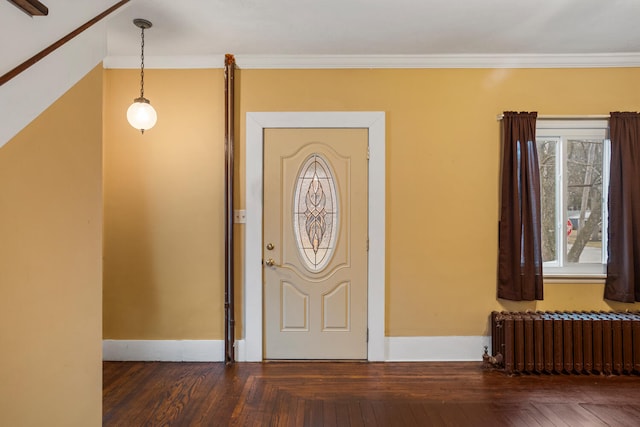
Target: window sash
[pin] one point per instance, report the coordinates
(560, 132)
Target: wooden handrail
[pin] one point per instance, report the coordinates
(31, 7)
(46, 51)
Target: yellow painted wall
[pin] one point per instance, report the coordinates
(443, 162)
(442, 188)
(163, 207)
(50, 264)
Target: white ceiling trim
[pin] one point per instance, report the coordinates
(605, 60)
(165, 62)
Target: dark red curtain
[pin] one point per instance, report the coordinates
(520, 251)
(623, 262)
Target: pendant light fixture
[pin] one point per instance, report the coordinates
(141, 114)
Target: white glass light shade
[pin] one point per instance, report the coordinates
(141, 115)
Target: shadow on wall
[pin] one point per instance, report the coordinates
(130, 277)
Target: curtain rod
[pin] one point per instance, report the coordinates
(567, 117)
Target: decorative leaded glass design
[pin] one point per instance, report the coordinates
(315, 212)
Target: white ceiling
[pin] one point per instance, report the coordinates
(372, 27)
(336, 27)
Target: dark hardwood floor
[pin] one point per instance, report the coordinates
(359, 394)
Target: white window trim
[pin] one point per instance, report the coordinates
(558, 128)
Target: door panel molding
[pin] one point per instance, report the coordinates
(252, 309)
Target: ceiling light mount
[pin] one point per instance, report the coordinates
(141, 115)
(142, 23)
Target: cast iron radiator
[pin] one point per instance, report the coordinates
(565, 342)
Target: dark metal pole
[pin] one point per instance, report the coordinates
(229, 123)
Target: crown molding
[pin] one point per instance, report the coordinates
(439, 61)
(165, 62)
(604, 60)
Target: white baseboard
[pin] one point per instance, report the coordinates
(397, 349)
(163, 350)
(435, 349)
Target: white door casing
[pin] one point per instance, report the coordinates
(374, 122)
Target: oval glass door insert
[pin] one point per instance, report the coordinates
(315, 216)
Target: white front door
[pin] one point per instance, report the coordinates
(315, 243)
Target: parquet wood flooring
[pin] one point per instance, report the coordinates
(359, 394)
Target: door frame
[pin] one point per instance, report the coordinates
(252, 308)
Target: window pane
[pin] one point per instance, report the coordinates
(584, 201)
(548, 195)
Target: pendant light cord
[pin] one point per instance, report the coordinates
(142, 64)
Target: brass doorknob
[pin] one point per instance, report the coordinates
(270, 262)
(270, 246)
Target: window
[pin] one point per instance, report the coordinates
(573, 156)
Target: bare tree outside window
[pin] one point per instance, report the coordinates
(584, 168)
(548, 194)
